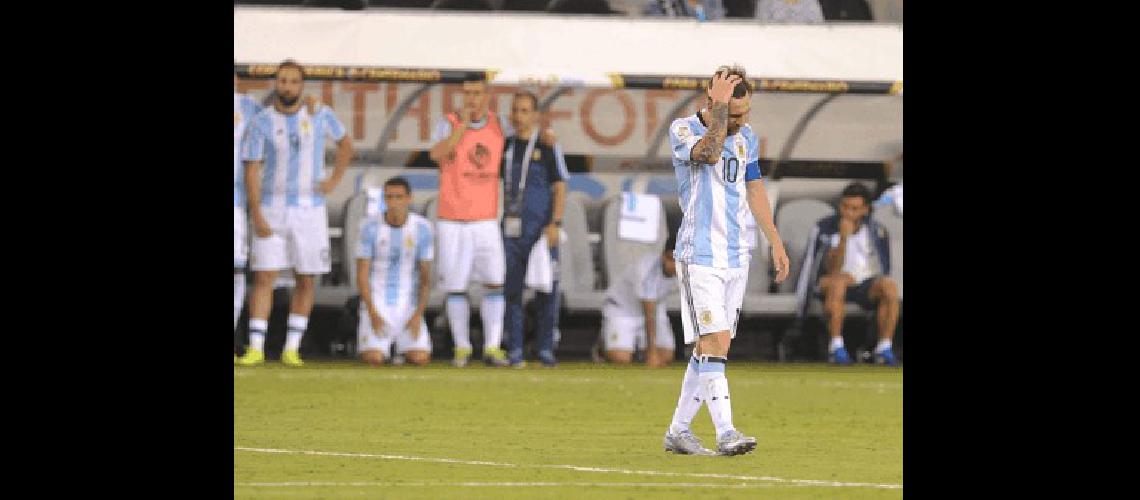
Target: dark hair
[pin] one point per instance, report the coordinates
(670, 243)
(529, 95)
(741, 89)
(399, 181)
(289, 63)
(857, 189)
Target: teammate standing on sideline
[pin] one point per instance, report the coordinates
(287, 205)
(468, 147)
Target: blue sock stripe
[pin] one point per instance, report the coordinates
(456, 297)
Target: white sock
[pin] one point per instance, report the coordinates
(690, 401)
(458, 315)
(714, 390)
(884, 345)
(492, 310)
(836, 343)
(257, 328)
(239, 296)
(297, 325)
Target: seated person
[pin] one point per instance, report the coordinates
(852, 258)
(634, 315)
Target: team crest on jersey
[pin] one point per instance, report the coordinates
(536, 156)
(706, 318)
(741, 150)
(305, 127)
(408, 242)
(683, 132)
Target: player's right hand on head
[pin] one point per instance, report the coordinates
(261, 227)
(721, 88)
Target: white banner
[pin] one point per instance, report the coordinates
(576, 49)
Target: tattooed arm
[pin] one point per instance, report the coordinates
(707, 150)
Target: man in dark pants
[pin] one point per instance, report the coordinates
(534, 187)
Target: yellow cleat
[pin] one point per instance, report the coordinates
(292, 358)
(495, 356)
(252, 357)
(462, 356)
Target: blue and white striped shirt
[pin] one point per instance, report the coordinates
(293, 150)
(714, 198)
(245, 108)
(394, 252)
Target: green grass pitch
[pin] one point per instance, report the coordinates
(340, 429)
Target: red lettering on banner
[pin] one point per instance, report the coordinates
(651, 109)
(628, 112)
(359, 92)
(552, 114)
(422, 110)
(498, 90)
(244, 86)
(327, 94)
(449, 91)
(390, 105)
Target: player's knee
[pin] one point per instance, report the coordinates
(619, 357)
(263, 278)
(890, 289)
(305, 282)
(418, 358)
(374, 358)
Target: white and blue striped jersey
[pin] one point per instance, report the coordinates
(245, 108)
(645, 281)
(292, 148)
(394, 252)
(713, 198)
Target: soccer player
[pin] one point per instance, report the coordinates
(245, 108)
(468, 147)
(287, 205)
(393, 274)
(716, 160)
(634, 317)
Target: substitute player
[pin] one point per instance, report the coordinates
(287, 205)
(468, 147)
(634, 315)
(393, 275)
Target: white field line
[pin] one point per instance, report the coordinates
(794, 482)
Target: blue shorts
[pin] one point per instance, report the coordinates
(858, 293)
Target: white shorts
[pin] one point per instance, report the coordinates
(469, 251)
(394, 321)
(710, 298)
(627, 333)
(241, 239)
(300, 241)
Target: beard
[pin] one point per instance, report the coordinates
(288, 101)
